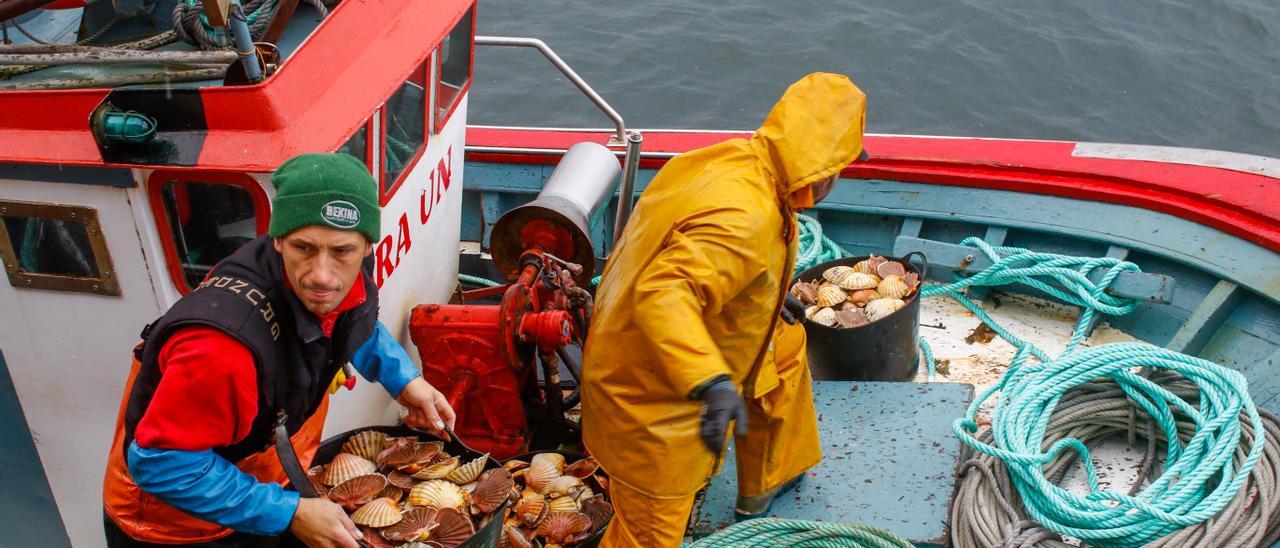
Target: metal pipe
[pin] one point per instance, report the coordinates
(626, 191)
(243, 42)
(620, 128)
(118, 57)
(13, 8)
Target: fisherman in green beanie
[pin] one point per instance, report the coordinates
(265, 336)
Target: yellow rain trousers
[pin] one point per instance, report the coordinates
(693, 291)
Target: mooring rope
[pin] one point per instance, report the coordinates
(800, 534)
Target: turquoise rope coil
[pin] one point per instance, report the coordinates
(800, 534)
(476, 280)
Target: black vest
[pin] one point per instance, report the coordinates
(245, 296)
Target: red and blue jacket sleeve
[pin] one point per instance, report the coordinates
(383, 360)
(206, 398)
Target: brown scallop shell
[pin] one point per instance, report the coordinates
(851, 317)
(438, 470)
(313, 475)
(453, 527)
(378, 513)
(835, 273)
(531, 509)
(544, 468)
(890, 268)
(346, 466)
(492, 490)
(562, 504)
(468, 472)
(438, 493)
(392, 492)
(366, 444)
(357, 491)
(831, 296)
(416, 523)
(513, 465)
(863, 296)
(870, 265)
(563, 527)
(373, 538)
(412, 458)
(583, 468)
(513, 538)
(806, 292)
(913, 282)
(598, 510)
(400, 479)
(389, 446)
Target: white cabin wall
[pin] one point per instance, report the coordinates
(426, 273)
(69, 353)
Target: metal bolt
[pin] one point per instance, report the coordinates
(95, 287)
(93, 231)
(73, 214)
(28, 282)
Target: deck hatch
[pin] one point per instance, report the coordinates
(55, 247)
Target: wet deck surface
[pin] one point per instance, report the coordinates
(889, 458)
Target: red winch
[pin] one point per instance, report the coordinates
(485, 357)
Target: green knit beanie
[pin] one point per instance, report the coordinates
(333, 190)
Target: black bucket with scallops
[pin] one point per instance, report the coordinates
(863, 317)
(404, 487)
(564, 501)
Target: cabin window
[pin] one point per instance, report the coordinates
(454, 67)
(204, 219)
(56, 247)
(358, 144)
(405, 120)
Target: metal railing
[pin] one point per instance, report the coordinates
(629, 140)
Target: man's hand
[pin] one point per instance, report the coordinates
(428, 408)
(320, 523)
(723, 404)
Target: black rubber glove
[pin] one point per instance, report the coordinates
(792, 310)
(723, 404)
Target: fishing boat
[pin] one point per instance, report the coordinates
(127, 172)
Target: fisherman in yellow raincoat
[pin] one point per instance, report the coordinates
(683, 340)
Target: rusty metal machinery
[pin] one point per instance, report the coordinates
(486, 358)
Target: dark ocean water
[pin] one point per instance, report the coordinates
(1195, 73)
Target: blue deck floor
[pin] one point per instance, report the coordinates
(888, 460)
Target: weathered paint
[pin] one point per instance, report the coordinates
(27, 505)
(888, 461)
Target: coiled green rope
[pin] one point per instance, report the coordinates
(477, 280)
(799, 533)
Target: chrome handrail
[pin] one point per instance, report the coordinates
(621, 137)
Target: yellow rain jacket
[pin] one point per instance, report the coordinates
(695, 285)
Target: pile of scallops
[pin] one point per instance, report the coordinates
(854, 296)
(403, 492)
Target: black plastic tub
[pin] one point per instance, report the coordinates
(883, 350)
(570, 458)
(487, 533)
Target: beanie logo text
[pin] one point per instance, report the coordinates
(341, 213)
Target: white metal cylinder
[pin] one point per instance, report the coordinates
(585, 177)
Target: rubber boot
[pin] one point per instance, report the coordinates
(758, 506)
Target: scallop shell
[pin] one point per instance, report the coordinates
(366, 444)
(513, 538)
(389, 446)
(412, 458)
(858, 280)
(583, 468)
(831, 296)
(893, 287)
(416, 524)
(563, 527)
(563, 485)
(544, 468)
(562, 504)
(468, 472)
(913, 282)
(400, 479)
(880, 308)
(863, 296)
(379, 513)
(890, 268)
(513, 465)
(454, 527)
(357, 491)
(373, 538)
(531, 509)
(438, 493)
(835, 273)
(869, 265)
(346, 466)
(438, 470)
(598, 510)
(807, 293)
(492, 490)
(851, 317)
(824, 316)
(313, 475)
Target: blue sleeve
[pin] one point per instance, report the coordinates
(381, 359)
(209, 487)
